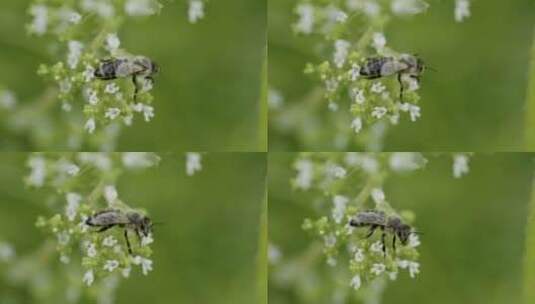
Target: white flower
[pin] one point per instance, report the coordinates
(7, 252)
(68, 167)
(460, 165)
(340, 17)
(305, 174)
(140, 160)
(356, 124)
(275, 99)
(146, 240)
(37, 175)
(305, 24)
(378, 195)
(91, 95)
(378, 268)
(462, 10)
(90, 125)
(378, 112)
(140, 7)
(100, 160)
(341, 50)
(109, 241)
(335, 171)
(63, 238)
(148, 111)
(73, 202)
(393, 275)
(339, 209)
(195, 11)
(406, 161)
(413, 110)
(64, 259)
(358, 96)
(359, 255)
(355, 282)
(110, 194)
(331, 261)
(75, 18)
(414, 267)
(91, 250)
(126, 272)
(111, 265)
(408, 7)
(193, 163)
(354, 72)
(111, 88)
(329, 240)
(88, 277)
(112, 42)
(7, 99)
(112, 113)
(89, 73)
(274, 254)
(75, 51)
(331, 84)
(332, 106)
(378, 87)
(379, 41)
(146, 264)
(83, 226)
(40, 19)
(414, 241)
(369, 164)
(376, 247)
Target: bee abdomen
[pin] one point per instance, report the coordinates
(108, 69)
(368, 218)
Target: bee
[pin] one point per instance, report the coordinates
(138, 66)
(106, 219)
(391, 224)
(406, 65)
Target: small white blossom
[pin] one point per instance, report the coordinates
(146, 264)
(193, 163)
(414, 241)
(88, 277)
(355, 282)
(110, 265)
(356, 124)
(393, 275)
(354, 72)
(75, 51)
(329, 240)
(90, 125)
(378, 112)
(359, 255)
(378, 87)
(378, 195)
(275, 99)
(75, 18)
(67, 167)
(140, 7)
(146, 240)
(376, 247)
(413, 110)
(460, 165)
(341, 50)
(148, 111)
(63, 238)
(139, 160)
(331, 261)
(335, 171)
(195, 11)
(7, 99)
(37, 175)
(414, 267)
(112, 113)
(408, 7)
(406, 161)
(274, 254)
(112, 42)
(332, 106)
(305, 174)
(339, 209)
(7, 252)
(126, 272)
(109, 241)
(305, 24)
(64, 259)
(379, 41)
(73, 202)
(40, 19)
(110, 194)
(89, 73)
(91, 250)
(111, 88)
(83, 226)
(462, 10)
(358, 96)
(378, 268)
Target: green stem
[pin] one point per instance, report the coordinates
(530, 103)
(263, 107)
(262, 259)
(529, 258)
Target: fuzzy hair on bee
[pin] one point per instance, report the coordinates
(405, 65)
(134, 221)
(388, 224)
(136, 67)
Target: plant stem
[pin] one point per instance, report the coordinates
(262, 259)
(263, 107)
(530, 102)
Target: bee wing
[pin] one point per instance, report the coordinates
(108, 217)
(392, 67)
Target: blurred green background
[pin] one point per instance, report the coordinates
(472, 247)
(474, 102)
(206, 250)
(207, 94)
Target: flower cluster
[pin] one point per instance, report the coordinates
(352, 32)
(350, 183)
(83, 184)
(193, 163)
(195, 10)
(81, 52)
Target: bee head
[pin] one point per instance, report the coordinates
(403, 232)
(146, 225)
(155, 68)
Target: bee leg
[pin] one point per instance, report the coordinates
(383, 236)
(127, 241)
(371, 231)
(104, 228)
(136, 89)
(401, 88)
(394, 244)
(138, 232)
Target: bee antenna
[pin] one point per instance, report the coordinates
(417, 232)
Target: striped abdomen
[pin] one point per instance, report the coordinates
(368, 218)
